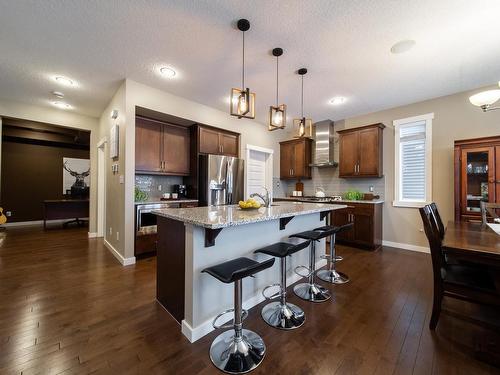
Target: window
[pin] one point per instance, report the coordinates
(413, 159)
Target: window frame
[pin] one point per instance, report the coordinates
(398, 201)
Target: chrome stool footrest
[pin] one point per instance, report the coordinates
(296, 270)
(244, 314)
(273, 296)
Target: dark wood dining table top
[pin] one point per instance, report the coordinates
(475, 241)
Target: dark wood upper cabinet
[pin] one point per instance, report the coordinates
(360, 151)
(477, 176)
(148, 146)
(161, 148)
(295, 157)
(218, 141)
(209, 141)
(176, 150)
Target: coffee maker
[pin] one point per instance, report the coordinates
(181, 190)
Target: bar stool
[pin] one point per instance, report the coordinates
(331, 275)
(282, 315)
(239, 350)
(311, 291)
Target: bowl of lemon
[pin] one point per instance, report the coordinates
(249, 204)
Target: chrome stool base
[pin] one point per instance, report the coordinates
(312, 292)
(237, 355)
(283, 316)
(332, 276)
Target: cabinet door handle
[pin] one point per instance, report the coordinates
(222, 148)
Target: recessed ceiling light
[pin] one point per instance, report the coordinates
(58, 94)
(337, 100)
(167, 72)
(62, 105)
(64, 81)
(403, 46)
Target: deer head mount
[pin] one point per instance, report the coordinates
(79, 177)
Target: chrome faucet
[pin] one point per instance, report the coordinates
(266, 199)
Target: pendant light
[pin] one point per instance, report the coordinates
(242, 100)
(277, 114)
(302, 126)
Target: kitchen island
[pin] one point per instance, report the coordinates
(191, 239)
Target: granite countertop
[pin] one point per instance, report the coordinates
(157, 200)
(343, 201)
(229, 216)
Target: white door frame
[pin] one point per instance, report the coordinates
(269, 166)
(101, 187)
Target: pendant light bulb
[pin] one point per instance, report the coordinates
(278, 118)
(242, 103)
(302, 129)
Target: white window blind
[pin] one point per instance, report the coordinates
(412, 166)
(413, 161)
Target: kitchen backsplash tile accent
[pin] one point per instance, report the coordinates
(150, 184)
(327, 178)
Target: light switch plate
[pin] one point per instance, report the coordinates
(122, 179)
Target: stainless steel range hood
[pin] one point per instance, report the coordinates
(324, 145)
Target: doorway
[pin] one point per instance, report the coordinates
(101, 187)
(259, 170)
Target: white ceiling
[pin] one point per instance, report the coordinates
(345, 45)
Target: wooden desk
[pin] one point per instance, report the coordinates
(75, 209)
(473, 242)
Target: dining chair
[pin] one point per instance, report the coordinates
(488, 208)
(437, 218)
(461, 281)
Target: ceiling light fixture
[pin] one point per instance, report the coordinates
(485, 99)
(168, 72)
(242, 100)
(64, 81)
(403, 46)
(337, 100)
(58, 94)
(277, 114)
(62, 105)
(302, 125)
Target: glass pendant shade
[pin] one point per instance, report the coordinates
(302, 127)
(485, 98)
(242, 103)
(277, 117)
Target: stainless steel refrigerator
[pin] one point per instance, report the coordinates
(221, 180)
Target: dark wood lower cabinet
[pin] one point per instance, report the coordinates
(170, 260)
(367, 229)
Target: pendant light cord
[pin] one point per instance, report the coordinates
(277, 82)
(302, 98)
(243, 72)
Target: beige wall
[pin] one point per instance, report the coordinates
(67, 119)
(454, 118)
(115, 191)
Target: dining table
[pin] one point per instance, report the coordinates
(473, 242)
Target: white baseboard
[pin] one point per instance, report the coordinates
(117, 255)
(406, 246)
(194, 334)
(93, 235)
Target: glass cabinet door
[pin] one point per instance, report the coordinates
(477, 178)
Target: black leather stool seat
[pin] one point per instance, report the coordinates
(312, 235)
(237, 269)
(338, 229)
(283, 249)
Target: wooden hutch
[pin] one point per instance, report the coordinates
(477, 176)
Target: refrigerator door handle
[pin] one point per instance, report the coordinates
(229, 182)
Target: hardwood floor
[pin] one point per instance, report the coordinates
(68, 307)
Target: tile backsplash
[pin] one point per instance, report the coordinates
(327, 178)
(150, 184)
